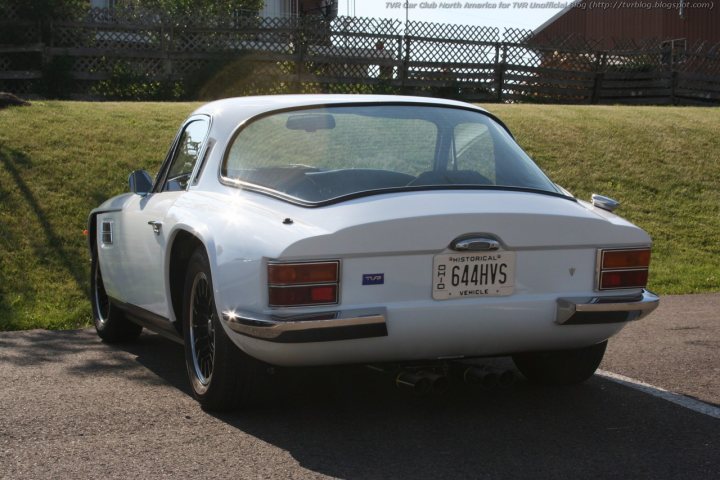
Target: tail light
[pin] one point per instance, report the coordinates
(303, 283)
(623, 268)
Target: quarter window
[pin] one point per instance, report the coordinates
(186, 155)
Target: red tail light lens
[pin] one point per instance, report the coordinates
(624, 279)
(324, 294)
(303, 283)
(626, 258)
(627, 268)
(299, 273)
(303, 295)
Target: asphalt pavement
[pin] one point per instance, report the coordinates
(73, 407)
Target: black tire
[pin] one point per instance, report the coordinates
(563, 367)
(222, 376)
(110, 322)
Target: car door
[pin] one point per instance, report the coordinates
(143, 230)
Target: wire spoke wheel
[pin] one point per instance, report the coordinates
(202, 328)
(222, 376)
(111, 324)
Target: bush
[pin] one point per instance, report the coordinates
(127, 83)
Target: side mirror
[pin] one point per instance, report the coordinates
(140, 182)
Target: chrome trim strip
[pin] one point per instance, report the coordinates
(309, 327)
(589, 310)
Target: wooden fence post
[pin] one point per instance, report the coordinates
(405, 66)
(299, 62)
(398, 79)
(299, 43)
(673, 85)
(600, 62)
(672, 72)
(500, 67)
(47, 46)
(166, 47)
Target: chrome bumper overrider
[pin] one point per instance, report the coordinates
(315, 327)
(589, 310)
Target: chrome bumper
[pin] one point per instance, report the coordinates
(592, 310)
(315, 327)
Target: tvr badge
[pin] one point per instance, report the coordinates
(373, 278)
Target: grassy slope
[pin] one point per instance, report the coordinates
(662, 163)
(60, 159)
(57, 161)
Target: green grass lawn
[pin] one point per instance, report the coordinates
(58, 160)
(662, 163)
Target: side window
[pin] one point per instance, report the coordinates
(474, 149)
(185, 156)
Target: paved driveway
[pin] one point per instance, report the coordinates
(73, 407)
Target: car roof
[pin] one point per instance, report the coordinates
(236, 110)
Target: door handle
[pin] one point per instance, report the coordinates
(475, 244)
(156, 226)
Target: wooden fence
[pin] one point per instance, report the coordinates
(107, 55)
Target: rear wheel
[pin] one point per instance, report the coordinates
(563, 367)
(111, 323)
(221, 375)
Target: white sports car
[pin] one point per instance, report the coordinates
(348, 229)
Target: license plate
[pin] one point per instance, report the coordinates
(464, 275)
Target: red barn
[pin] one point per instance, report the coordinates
(691, 23)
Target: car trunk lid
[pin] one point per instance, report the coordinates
(391, 246)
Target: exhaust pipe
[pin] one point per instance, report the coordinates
(423, 382)
(507, 379)
(440, 383)
(488, 377)
(414, 381)
(481, 377)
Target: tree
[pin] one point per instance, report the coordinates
(200, 8)
(45, 9)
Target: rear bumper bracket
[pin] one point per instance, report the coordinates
(616, 309)
(313, 327)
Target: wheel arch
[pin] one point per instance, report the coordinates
(184, 242)
(92, 233)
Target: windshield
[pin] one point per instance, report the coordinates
(322, 154)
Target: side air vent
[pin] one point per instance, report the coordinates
(106, 234)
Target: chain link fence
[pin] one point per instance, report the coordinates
(133, 54)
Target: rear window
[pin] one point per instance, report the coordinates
(323, 154)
